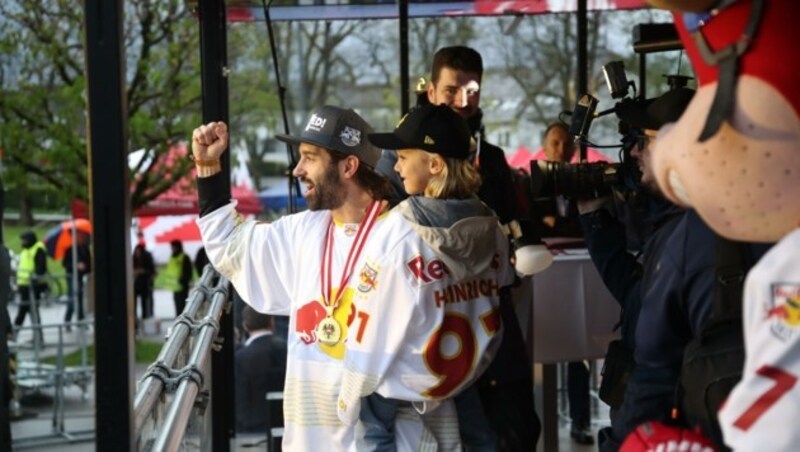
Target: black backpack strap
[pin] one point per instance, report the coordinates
(729, 270)
(713, 360)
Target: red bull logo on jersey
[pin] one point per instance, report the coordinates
(368, 278)
(308, 317)
(783, 310)
(426, 272)
(350, 229)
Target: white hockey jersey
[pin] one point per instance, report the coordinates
(759, 413)
(276, 269)
(432, 309)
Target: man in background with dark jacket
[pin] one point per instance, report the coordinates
(260, 368)
(83, 262)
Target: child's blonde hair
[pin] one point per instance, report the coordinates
(458, 179)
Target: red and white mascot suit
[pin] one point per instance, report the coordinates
(734, 156)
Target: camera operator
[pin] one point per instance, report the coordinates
(647, 395)
(667, 298)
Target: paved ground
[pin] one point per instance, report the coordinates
(46, 429)
(42, 425)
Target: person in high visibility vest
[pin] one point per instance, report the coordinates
(178, 274)
(32, 265)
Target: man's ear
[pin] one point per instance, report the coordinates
(351, 164)
(431, 92)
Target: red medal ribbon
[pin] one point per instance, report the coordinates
(364, 228)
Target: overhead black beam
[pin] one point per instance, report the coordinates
(110, 211)
(656, 37)
(214, 69)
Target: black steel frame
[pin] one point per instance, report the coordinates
(111, 214)
(111, 207)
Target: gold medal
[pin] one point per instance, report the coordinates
(328, 331)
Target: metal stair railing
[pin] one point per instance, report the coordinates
(192, 336)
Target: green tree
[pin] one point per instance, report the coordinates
(349, 63)
(429, 34)
(254, 103)
(313, 70)
(312, 56)
(540, 57)
(43, 105)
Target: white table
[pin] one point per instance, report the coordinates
(573, 318)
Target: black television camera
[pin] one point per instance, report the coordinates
(573, 180)
(590, 180)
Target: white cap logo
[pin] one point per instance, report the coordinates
(350, 137)
(316, 123)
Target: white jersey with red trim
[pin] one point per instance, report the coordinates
(759, 413)
(276, 269)
(431, 310)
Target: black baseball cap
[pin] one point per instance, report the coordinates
(433, 128)
(338, 130)
(654, 113)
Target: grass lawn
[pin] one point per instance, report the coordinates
(146, 353)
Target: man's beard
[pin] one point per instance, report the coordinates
(651, 186)
(328, 192)
(647, 179)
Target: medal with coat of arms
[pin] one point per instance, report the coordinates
(329, 332)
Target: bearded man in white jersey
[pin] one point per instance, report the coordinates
(335, 166)
(326, 268)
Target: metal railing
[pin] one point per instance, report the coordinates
(34, 373)
(176, 385)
